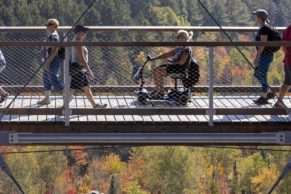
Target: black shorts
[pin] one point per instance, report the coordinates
(174, 68)
(79, 80)
(287, 69)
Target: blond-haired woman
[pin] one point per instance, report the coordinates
(177, 60)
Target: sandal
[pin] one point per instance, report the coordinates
(100, 106)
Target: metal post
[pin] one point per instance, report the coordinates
(211, 81)
(67, 110)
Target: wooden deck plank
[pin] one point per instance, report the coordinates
(122, 103)
(6, 117)
(101, 118)
(217, 103)
(192, 118)
(156, 118)
(228, 104)
(239, 103)
(16, 104)
(129, 102)
(24, 103)
(33, 102)
(73, 104)
(183, 118)
(90, 118)
(247, 104)
(114, 103)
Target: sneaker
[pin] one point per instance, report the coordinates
(100, 106)
(3, 98)
(278, 105)
(261, 101)
(44, 101)
(270, 95)
(157, 95)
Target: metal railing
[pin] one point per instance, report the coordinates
(107, 46)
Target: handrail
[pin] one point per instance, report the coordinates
(126, 88)
(138, 28)
(146, 44)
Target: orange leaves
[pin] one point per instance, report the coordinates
(265, 178)
(222, 55)
(80, 156)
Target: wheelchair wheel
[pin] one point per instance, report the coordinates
(183, 99)
(142, 98)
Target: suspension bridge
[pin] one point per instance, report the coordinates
(215, 108)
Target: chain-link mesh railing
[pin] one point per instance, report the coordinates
(114, 70)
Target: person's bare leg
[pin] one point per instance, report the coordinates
(71, 93)
(283, 91)
(264, 95)
(89, 95)
(2, 92)
(159, 74)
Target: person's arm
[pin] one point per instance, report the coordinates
(284, 38)
(80, 55)
(165, 55)
(183, 59)
(53, 51)
(51, 57)
(263, 38)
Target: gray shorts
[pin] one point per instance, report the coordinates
(287, 69)
(2, 67)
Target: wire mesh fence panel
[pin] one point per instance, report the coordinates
(137, 78)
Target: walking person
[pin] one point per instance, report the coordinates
(53, 63)
(3, 94)
(264, 56)
(80, 70)
(287, 68)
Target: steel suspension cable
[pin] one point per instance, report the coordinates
(240, 51)
(46, 59)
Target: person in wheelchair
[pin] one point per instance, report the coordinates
(178, 59)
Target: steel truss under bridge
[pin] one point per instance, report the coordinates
(272, 138)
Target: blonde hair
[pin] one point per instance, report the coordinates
(53, 21)
(185, 34)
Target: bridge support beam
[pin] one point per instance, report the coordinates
(276, 138)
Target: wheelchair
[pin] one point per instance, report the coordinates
(182, 95)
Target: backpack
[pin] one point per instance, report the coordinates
(276, 37)
(62, 49)
(62, 52)
(193, 75)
